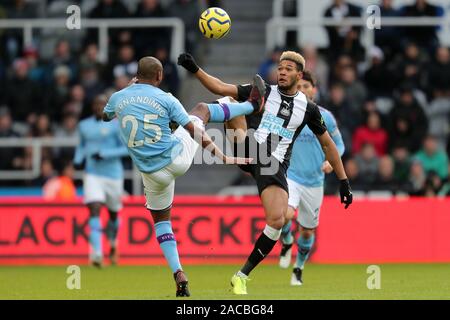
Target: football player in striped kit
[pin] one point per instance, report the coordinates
(273, 131)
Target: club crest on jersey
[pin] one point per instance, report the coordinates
(104, 131)
(285, 109)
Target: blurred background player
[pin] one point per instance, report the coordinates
(285, 113)
(101, 150)
(305, 178)
(145, 113)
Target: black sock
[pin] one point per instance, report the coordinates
(262, 248)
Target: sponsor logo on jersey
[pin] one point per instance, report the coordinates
(274, 125)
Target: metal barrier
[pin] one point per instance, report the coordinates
(103, 25)
(37, 144)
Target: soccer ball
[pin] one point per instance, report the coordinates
(214, 23)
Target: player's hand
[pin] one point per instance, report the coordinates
(187, 61)
(97, 156)
(346, 193)
(237, 160)
(132, 81)
(326, 167)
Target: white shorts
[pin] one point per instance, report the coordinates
(308, 200)
(159, 186)
(105, 190)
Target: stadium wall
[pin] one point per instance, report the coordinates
(222, 230)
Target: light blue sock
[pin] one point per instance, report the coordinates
(221, 112)
(112, 229)
(286, 233)
(304, 248)
(95, 235)
(168, 244)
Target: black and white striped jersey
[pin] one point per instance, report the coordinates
(282, 121)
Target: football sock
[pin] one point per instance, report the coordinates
(221, 112)
(263, 246)
(111, 230)
(95, 235)
(286, 233)
(168, 244)
(304, 248)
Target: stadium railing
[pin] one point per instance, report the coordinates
(103, 25)
(277, 26)
(37, 144)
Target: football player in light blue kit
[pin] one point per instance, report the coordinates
(101, 149)
(305, 178)
(144, 112)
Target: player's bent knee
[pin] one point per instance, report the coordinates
(307, 233)
(276, 222)
(201, 110)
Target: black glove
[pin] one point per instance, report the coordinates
(346, 193)
(187, 61)
(97, 156)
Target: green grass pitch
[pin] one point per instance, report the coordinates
(398, 281)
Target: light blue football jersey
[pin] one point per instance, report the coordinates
(97, 136)
(307, 155)
(144, 113)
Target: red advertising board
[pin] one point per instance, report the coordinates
(218, 230)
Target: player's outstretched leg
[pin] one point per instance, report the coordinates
(95, 234)
(274, 200)
(287, 240)
(305, 243)
(224, 111)
(168, 244)
(112, 229)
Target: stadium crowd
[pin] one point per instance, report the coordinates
(392, 104)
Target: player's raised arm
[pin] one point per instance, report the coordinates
(203, 139)
(211, 83)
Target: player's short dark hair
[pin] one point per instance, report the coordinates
(308, 76)
(148, 68)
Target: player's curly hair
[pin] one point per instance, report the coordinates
(294, 57)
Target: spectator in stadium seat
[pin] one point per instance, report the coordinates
(410, 66)
(439, 72)
(22, 94)
(385, 179)
(61, 188)
(37, 70)
(47, 172)
(346, 119)
(58, 93)
(67, 129)
(416, 180)
(438, 113)
(62, 56)
(8, 154)
(90, 57)
(425, 37)
(408, 119)
(267, 65)
(367, 162)
(354, 176)
(371, 132)
(120, 82)
(433, 158)
(91, 83)
(344, 39)
(342, 62)
(75, 105)
(317, 66)
(387, 37)
(377, 77)
(188, 11)
(402, 164)
(148, 38)
(125, 63)
(171, 80)
(355, 91)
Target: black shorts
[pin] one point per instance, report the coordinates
(263, 180)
